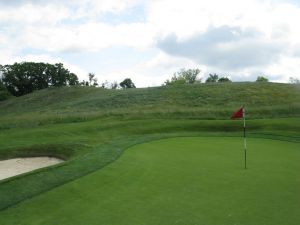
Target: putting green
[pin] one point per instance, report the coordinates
(195, 180)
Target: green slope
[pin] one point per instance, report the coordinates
(91, 127)
(206, 101)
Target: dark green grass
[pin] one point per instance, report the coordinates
(179, 181)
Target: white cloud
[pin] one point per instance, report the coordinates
(164, 17)
(287, 67)
(185, 18)
(111, 6)
(29, 13)
(228, 48)
(87, 37)
(186, 31)
(153, 72)
(10, 59)
(76, 26)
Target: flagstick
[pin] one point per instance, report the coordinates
(245, 143)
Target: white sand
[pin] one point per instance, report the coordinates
(13, 167)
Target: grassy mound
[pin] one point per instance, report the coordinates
(91, 127)
(179, 181)
(199, 101)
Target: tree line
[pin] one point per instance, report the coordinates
(23, 78)
(93, 81)
(191, 76)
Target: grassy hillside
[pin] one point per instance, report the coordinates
(91, 127)
(200, 101)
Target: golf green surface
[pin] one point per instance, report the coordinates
(185, 181)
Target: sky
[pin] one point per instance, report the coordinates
(148, 41)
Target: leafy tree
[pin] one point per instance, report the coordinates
(23, 78)
(92, 79)
(84, 83)
(108, 85)
(213, 78)
(127, 83)
(114, 85)
(184, 76)
(261, 79)
(72, 79)
(174, 81)
(224, 79)
(59, 76)
(105, 84)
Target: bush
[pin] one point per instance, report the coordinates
(213, 78)
(127, 83)
(184, 76)
(224, 79)
(261, 79)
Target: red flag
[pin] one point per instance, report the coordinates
(238, 114)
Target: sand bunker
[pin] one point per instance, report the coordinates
(13, 167)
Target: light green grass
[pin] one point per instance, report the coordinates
(91, 145)
(178, 181)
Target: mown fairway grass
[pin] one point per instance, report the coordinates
(190, 180)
